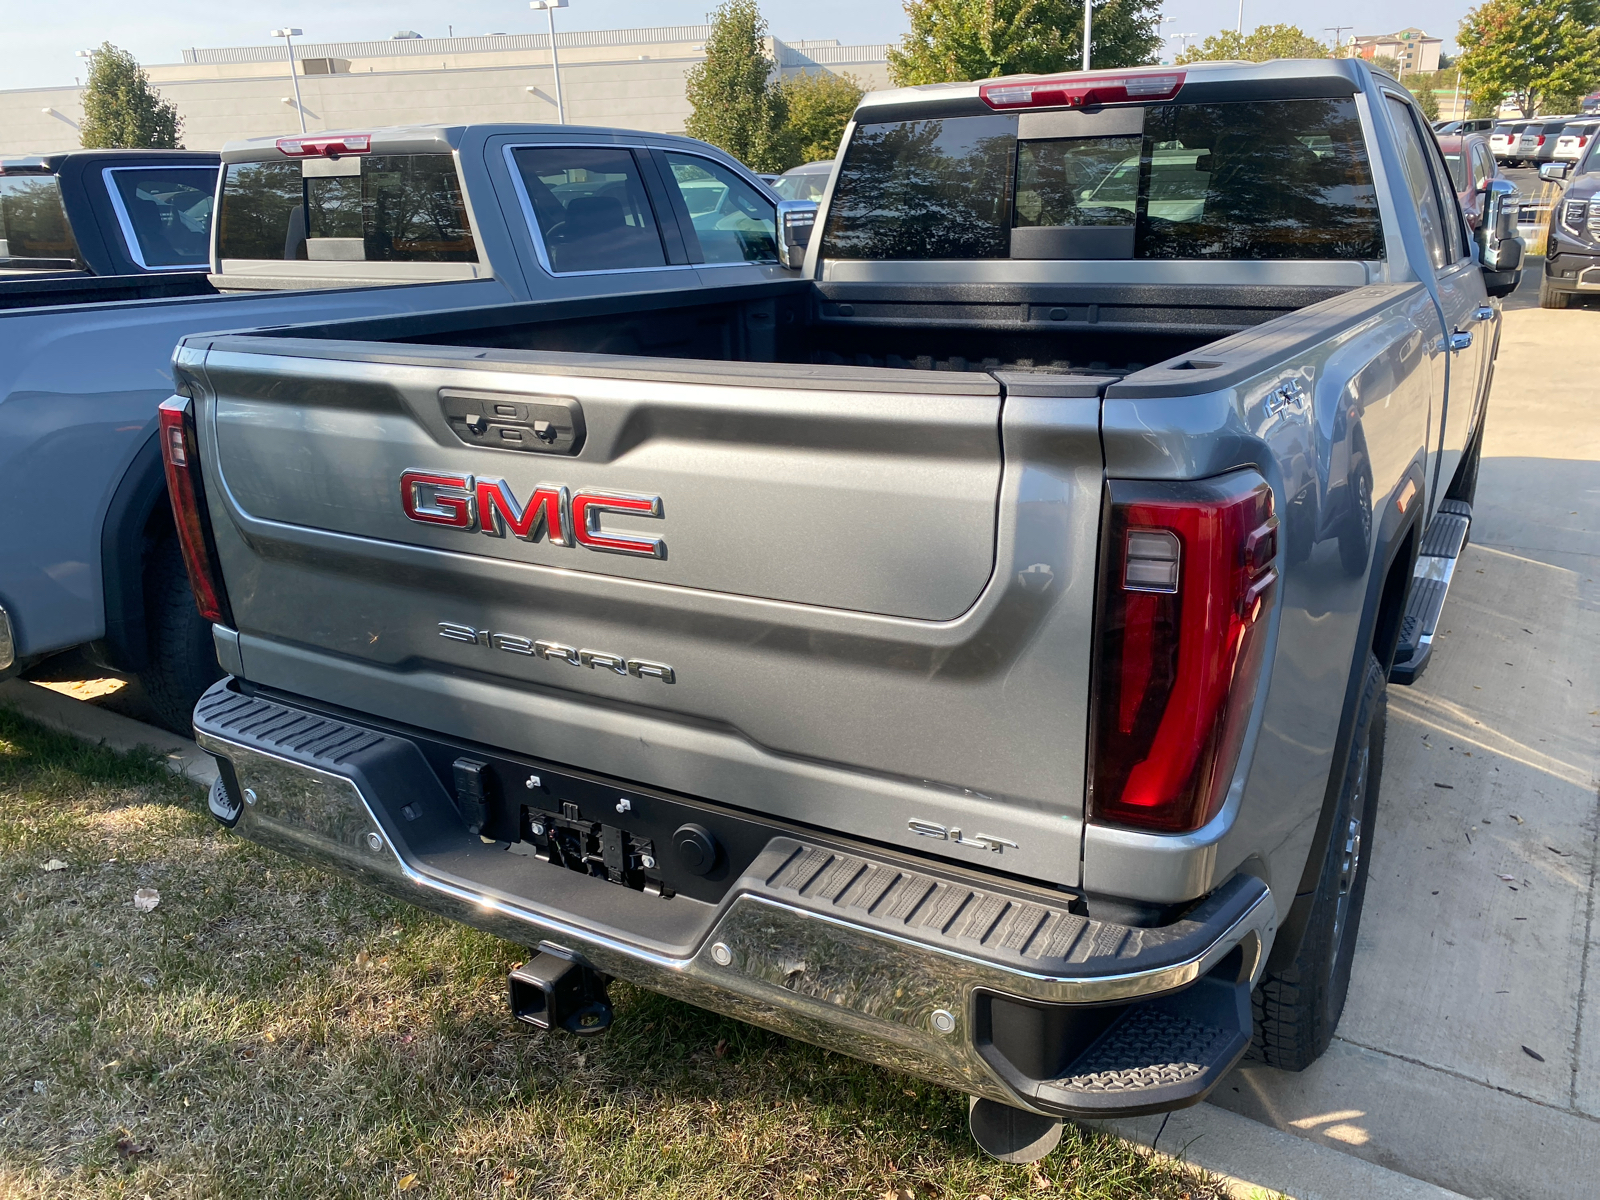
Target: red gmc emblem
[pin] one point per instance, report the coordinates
(488, 505)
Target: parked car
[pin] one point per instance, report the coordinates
(1472, 167)
(1574, 140)
(309, 229)
(1504, 140)
(1466, 125)
(968, 653)
(1572, 255)
(804, 182)
(92, 213)
(1537, 143)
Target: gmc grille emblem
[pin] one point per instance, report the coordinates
(565, 518)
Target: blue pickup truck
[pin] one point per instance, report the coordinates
(308, 229)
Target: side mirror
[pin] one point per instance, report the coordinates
(1555, 172)
(796, 220)
(1499, 247)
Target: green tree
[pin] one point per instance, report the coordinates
(1426, 100)
(121, 111)
(736, 104)
(1530, 51)
(955, 40)
(819, 108)
(1264, 43)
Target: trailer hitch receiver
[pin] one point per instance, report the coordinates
(556, 990)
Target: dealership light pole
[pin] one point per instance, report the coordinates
(550, 7)
(1088, 6)
(288, 36)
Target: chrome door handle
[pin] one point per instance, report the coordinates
(1460, 340)
(1485, 312)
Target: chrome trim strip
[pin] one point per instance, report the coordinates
(866, 993)
(135, 250)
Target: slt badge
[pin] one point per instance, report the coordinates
(952, 833)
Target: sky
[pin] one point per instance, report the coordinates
(40, 49)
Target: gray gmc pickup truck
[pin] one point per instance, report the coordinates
(969, 653)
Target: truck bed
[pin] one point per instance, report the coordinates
(1093, 328)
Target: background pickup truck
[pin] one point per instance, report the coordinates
(85, 220)
(970, 656)
(311, 229)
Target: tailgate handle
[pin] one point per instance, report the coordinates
(531, 424)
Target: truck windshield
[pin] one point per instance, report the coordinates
(165, 213)
(377, 208)
(1209, 181)
(33, 225)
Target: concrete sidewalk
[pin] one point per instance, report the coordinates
(1469, 1052)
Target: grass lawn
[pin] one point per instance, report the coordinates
(271, 1030)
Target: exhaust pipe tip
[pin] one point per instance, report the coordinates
(556, 990)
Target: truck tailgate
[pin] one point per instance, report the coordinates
(855, 598)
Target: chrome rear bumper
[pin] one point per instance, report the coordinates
(810, 941)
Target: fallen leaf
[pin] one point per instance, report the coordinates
(407, 1182)
(146, 899)
(1517, 819)
(128, 1148)
(362, 959)
(721, 1048)
(1449, 787)
(1533, 1054)
(1563, 853)
(55, 864)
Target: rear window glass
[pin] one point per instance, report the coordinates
(592, 208)
(33, 224)
(398, 208)
(165, 213)
(802, 185)
(1204, 181)
(924, 189)
(1458, 169)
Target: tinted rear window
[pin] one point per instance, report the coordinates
(33, 224)
(399, 208)
(1205, 181)
(166, 213)
(593, 209)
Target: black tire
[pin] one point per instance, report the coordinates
(1355, 531)
(1298, 1008)
(1549, 297)
(183, 658)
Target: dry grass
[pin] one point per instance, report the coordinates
(270, 1030)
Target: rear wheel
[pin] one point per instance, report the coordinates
(1549, 297)
(1298, 1008)
(183, 657)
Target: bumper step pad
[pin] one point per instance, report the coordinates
(1430, 584)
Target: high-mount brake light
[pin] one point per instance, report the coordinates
(1082, 90)
(187, 493)
(326, 147)
(1187, 581)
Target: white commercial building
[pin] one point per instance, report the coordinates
(632, 78)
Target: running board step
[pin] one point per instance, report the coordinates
(1430, 584)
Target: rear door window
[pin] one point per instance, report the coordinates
(369, 208)
(591, 207)
(1430, 212)
(734, 222)
(165, 213)
(33, 224)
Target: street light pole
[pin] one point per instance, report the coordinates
(1088, 30)
(288, 44)
(550, 7)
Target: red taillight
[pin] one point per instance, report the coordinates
(312, 147)
(1082, 90)
(1583, 141)
(187, 494)
(1187, 582)
(1541, 139)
